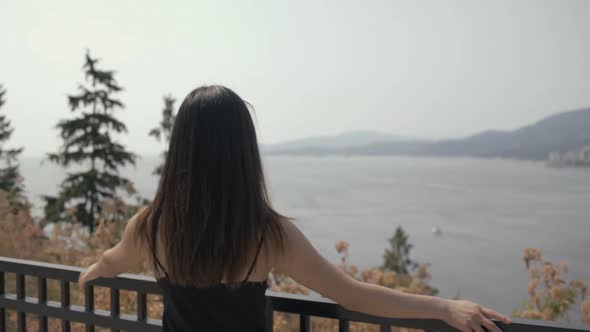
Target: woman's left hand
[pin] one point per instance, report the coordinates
(91, 273)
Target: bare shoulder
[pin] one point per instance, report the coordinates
(293, 236)
(295, 245)
(289, 227)
(130, 234)
(277, 246)
(139, 215)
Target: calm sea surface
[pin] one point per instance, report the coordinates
(488, 211)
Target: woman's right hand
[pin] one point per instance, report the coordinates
(472, 317)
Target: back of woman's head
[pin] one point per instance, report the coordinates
(211, 209)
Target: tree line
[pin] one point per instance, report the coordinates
(88, 143)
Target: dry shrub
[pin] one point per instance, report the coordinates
(551, 297)
(586, 312)
(21, 236)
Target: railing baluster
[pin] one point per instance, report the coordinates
(304, 323)
(89, 304)
(65, 302)
(42, 299)
(385, 328)
(269, 315)
(21, 320)
(343, 325)
(2, 310)
(115, 307)
(141, 306)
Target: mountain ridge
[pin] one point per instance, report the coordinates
(554, 133)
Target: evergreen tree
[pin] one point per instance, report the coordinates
(10, 179)
(397, 257)
(88, 142)
(164, 130)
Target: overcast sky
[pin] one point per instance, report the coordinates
(413, 68)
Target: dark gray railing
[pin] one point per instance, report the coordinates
(305, 306)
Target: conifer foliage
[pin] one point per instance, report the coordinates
(164, 129)
(10, 179)
(88, 143)
(397, 256)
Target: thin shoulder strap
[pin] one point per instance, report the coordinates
(255, 259)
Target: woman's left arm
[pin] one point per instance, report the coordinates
(123, 257)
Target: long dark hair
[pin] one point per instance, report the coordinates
(212, 208)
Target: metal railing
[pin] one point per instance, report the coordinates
(304, 306)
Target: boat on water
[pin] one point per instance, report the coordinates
(436, 230)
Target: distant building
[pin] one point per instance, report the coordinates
(573, 157)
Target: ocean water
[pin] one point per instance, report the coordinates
(488, 211)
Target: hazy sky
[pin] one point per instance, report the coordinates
(414, 68)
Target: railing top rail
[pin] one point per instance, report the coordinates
(125, 281)
(299, 304)
(323, 307)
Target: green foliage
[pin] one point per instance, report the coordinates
(88, 143)
(397, 256)
(10, 179)
(164, 130)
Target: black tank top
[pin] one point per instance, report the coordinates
(216, 308)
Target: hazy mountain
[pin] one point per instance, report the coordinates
(329, 143)
(558, 132)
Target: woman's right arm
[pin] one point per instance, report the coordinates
(305, 265)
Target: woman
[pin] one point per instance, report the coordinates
(213, 236)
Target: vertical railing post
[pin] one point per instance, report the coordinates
(2, 310)
(141, 306)
(385, 328)
(115, 307)
(343, 325)
(65, 302)
(89, 304)
(42, 299)
(304, 323)
(269, 315)
(21, 319)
